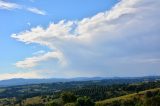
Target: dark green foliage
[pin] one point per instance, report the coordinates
(85, 101)
(40, 104)
(127, 103)
(101, 92)
(115, 103)
(53, 104)
(148, 94)
(152, 98)
(70, 104)
(68, 97)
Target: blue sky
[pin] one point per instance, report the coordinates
(59, 38)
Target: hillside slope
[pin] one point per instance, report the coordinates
(145, 98)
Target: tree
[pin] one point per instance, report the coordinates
(68, 97)
(148, 94)
(85, 101)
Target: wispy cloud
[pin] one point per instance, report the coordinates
(8, 5)
(28, 23)
(36, 11)
(100, 43)
(34, 61)
(39, 52)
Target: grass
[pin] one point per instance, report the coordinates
(125, 97)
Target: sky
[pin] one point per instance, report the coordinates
(75, 38)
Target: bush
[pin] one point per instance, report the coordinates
(53, 104)
(115, 103)
(85, 101)
(70, 104)
(68, 97)
(148, 94)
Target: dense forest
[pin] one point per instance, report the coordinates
(108, 92)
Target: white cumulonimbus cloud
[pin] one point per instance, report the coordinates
(111, 43)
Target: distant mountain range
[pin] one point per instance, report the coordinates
(21, 81)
